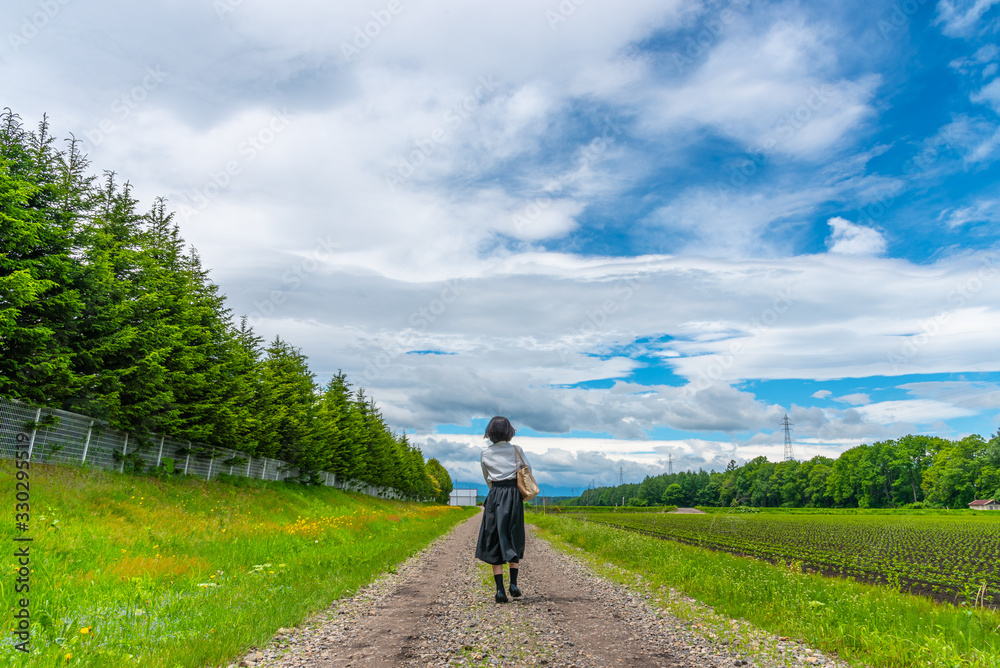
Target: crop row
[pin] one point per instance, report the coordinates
(949, 558)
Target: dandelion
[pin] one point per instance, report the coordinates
(85, 630)
(69, 656)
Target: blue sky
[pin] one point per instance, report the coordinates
(640, 230)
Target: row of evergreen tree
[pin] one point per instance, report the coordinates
(105, 311)
(912, 471)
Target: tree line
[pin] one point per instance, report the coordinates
(912, 472)
(106, 311)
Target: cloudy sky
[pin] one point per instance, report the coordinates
(643, 230)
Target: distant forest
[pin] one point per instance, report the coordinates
(105, 310)
(912, 472)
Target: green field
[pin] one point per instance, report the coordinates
(868, 625)
(134, 570)
(953, 558)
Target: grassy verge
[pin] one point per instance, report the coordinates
(129, 570)
(866, 625)
(556, 510)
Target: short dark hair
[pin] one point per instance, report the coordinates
(499, 429)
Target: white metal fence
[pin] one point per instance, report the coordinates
(70, 438)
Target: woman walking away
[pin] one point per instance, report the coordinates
(501, 536)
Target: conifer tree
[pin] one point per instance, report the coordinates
(242, 370)
(287, 406)
(38, 297)
(105, 311)
(128, 332)
(339, 426)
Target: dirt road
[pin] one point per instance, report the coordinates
(437, 609)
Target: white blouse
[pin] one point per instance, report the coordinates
(498, 462)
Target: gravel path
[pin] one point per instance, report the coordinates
(437, 609)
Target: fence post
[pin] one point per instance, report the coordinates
(263, 469)
(211, 460)
(249, 459)
(160, 456)
(31, 445)
(124, 448)
(187, 459)
(87, 444)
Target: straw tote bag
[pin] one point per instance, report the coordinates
(525, 481)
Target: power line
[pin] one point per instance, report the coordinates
(786, 424)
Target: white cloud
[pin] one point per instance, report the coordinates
(985, 210)
(914, 411)
(852, 239)
(821, 394)
(974, 140)
(582, 462)
(767, 90)
(959, 18)
(983, 56)
(526, 328)
(855, 399)
(989, 94)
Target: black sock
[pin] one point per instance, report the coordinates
(499, 579)
(513, 577)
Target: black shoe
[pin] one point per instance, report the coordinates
(501, 597)
(514, 591)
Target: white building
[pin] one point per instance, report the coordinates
(462, 497)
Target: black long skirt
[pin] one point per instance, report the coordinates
(501, 535)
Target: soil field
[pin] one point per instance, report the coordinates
(956, 559)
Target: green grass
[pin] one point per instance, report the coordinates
(865, 624)
(133, 570)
